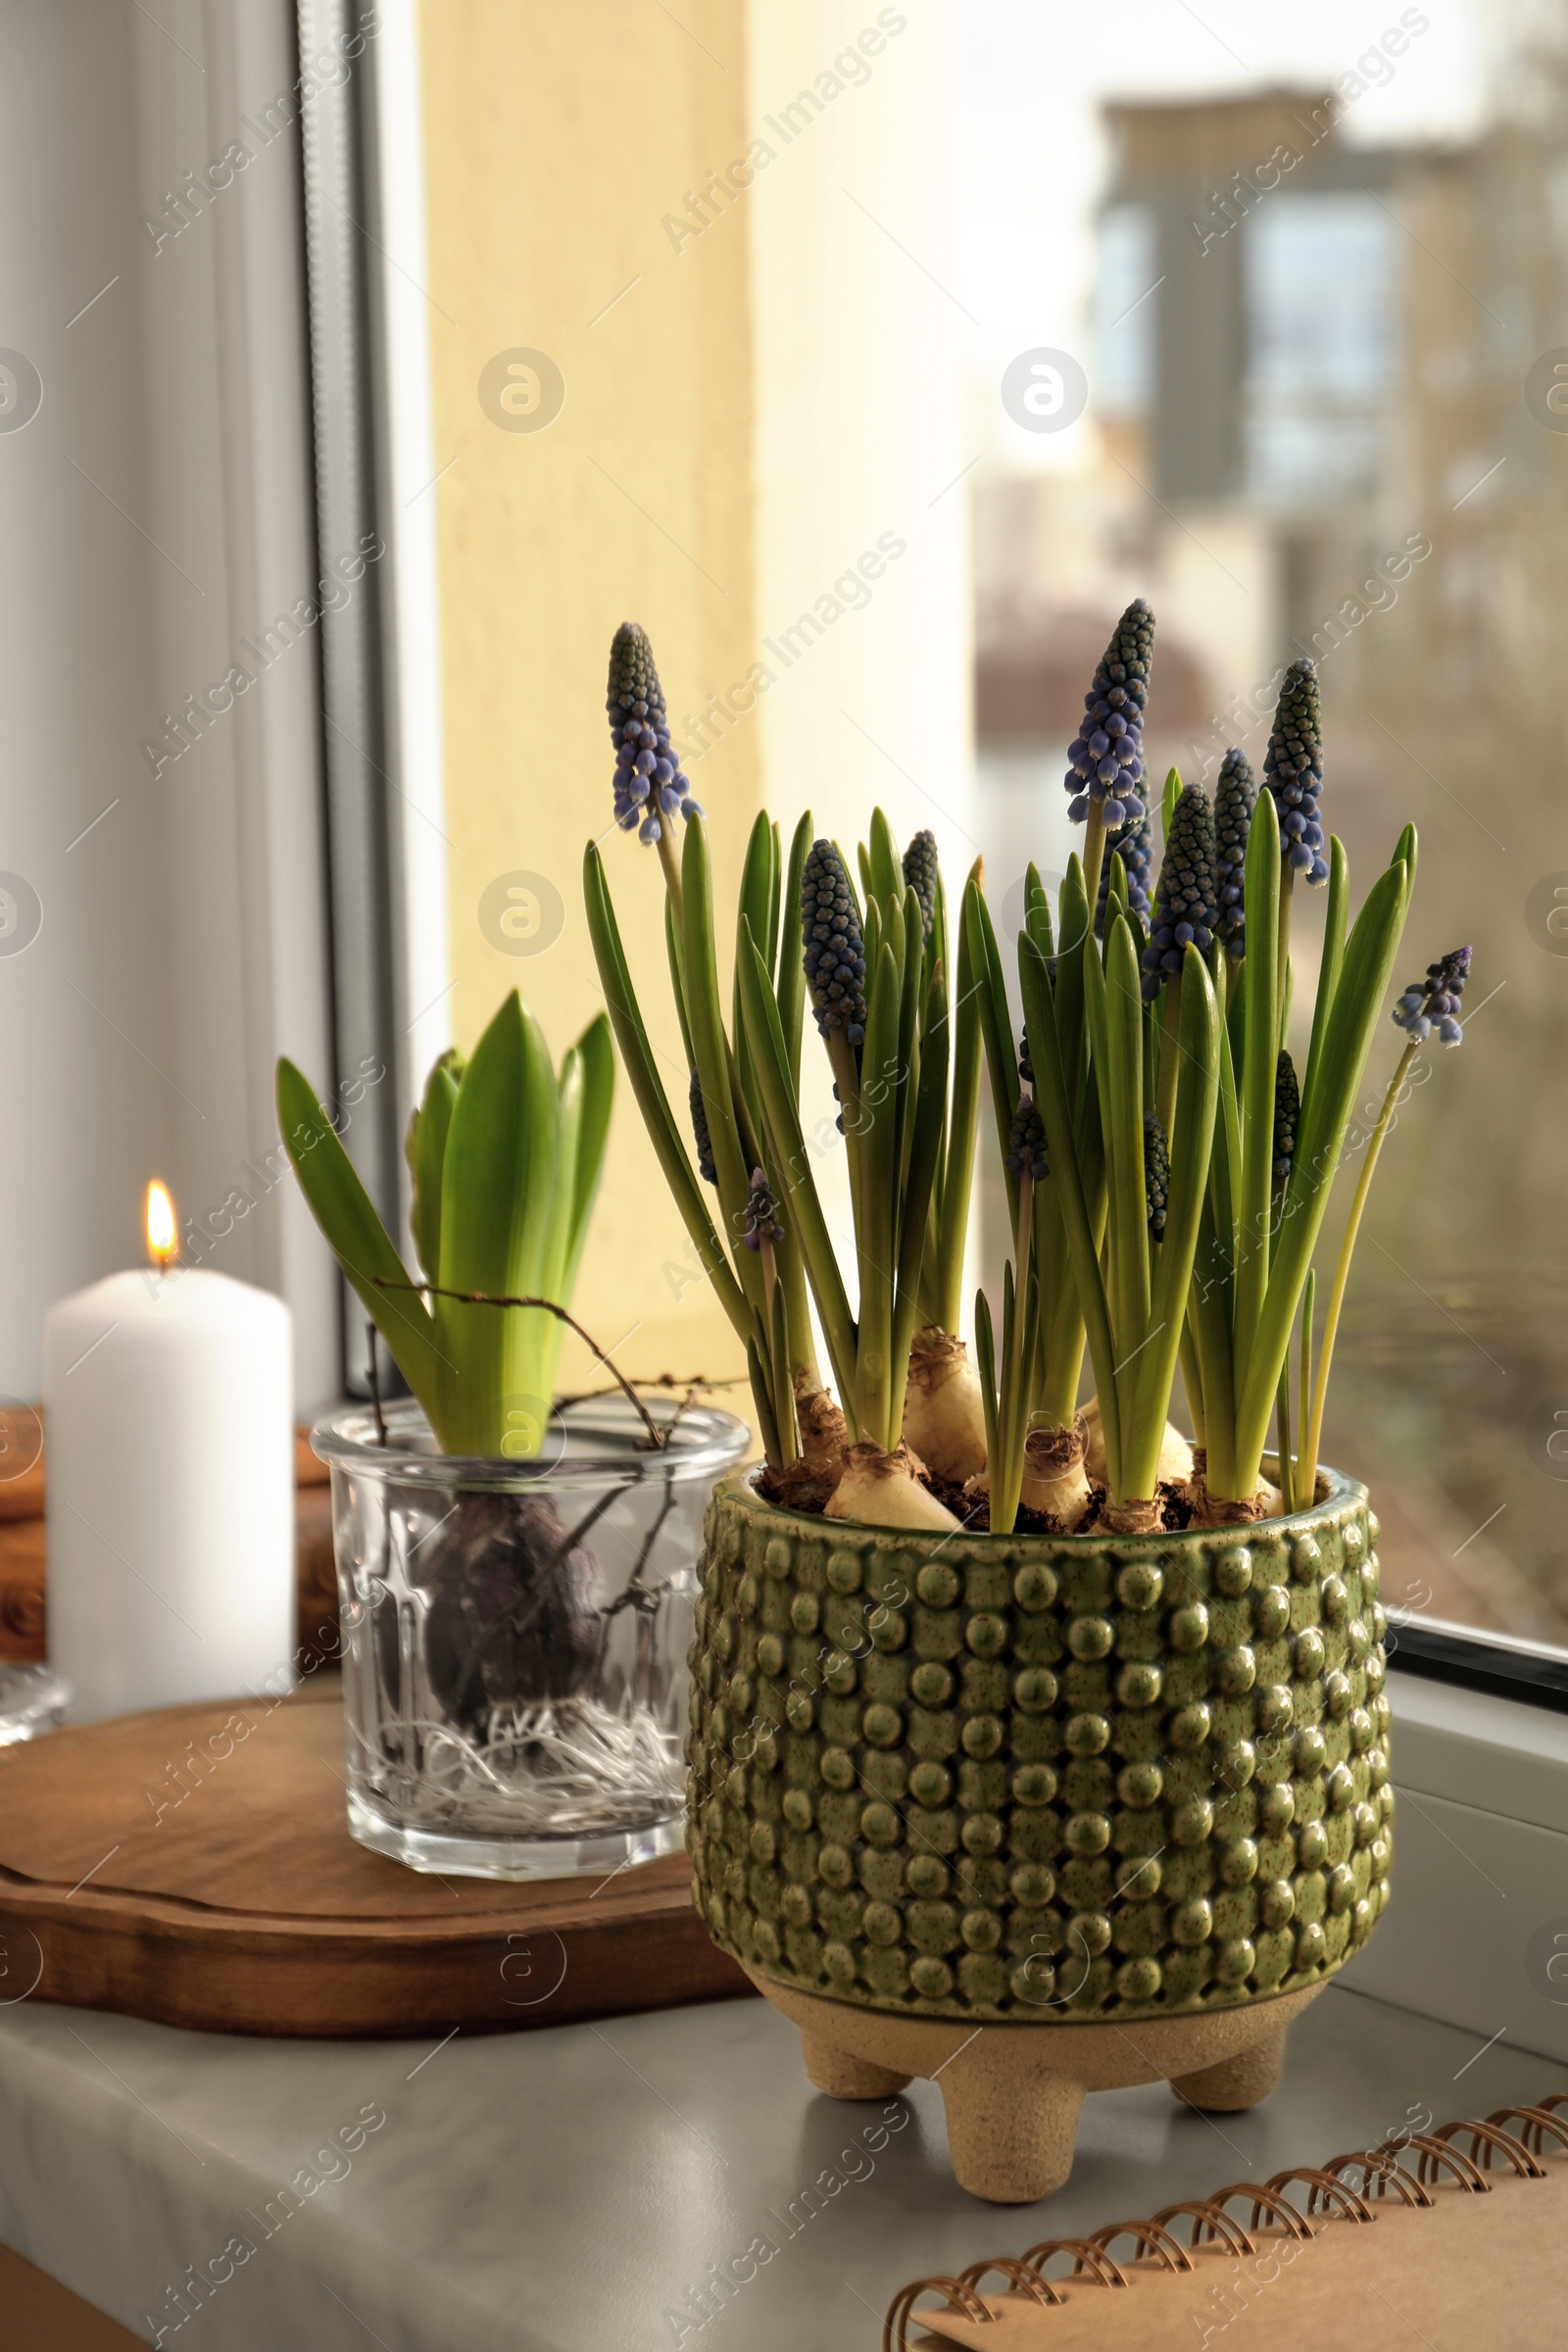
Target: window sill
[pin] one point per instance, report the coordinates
(1481, 1866)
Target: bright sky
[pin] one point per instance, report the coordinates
(1035, 73)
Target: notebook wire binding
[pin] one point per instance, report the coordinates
(1348, 2189)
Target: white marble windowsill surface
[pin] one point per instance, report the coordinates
(570, 2189)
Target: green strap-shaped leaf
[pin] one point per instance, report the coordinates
(709, 1041)
(1192, 1142)
(996, 1029)
(876, 1230)
(1057, 1113)
(765, 1037)
(758, 893)
(1259, 1064)
(1074, 941)
(598, 1055)
(1364, 975)
(636, 1054)
(1119, 1009)
(495, 1239)
(1328, 970)
(424, 1152)
(963, 1116)
(356, 1237)
(925, 1115)
(885, 873)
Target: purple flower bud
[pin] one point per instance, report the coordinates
(1027, 1153)
(705, 1147)
(1435, 999)
(650, 787)
(1135, 847)
(920, 872)
(760, 1214)
(834, 952)
(1185, 909)
(1293, 770)
(1287, 1117)
(1157, 1174)
(1105, 752)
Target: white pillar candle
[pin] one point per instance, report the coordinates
(168, 1423)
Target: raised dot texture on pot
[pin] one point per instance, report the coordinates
(1189, 1627)
(930, 1784)
(1271, 1612)
(1034, 1586)
(1233, 1571)
(1235, 1672)
(1034, 1690)
(1091, 1639)
(1309, 1660)
(1138, 1980)
(1140, 1686)
(932, 1978)
(834, 1867)
(1140, 1586)
(1140, 1785)
(843, 1571)
(1193, 1923)
(937, 1584)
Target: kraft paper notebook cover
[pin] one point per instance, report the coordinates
(1455, 2239)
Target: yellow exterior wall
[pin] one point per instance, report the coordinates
(557, 139)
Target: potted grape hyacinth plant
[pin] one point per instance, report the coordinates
(516, 1570)
(1012, 1709)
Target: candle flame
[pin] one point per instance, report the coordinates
(162, 1238)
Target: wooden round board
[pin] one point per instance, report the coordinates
(228, 1894)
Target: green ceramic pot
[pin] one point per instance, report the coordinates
(1018, 1778)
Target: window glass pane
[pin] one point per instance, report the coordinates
(1315, 264)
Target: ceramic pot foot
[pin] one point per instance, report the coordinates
(1238, 2081)
(842, 2075)
(1010, 2130)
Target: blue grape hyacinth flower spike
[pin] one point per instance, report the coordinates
(1293, 770)
(1434, 1003)
(650, 784)
(1107, 754)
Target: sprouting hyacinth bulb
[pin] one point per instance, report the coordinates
(1184, 909)
(1287, 1117)
(1435, 1001)
(1133, 845)
(1107, 754)
(1157, 1174)
(705, 1147)
(834, 950)
(920, 873)
(650, 784)
(761, 1214)
(1026, 1153)
(1235, 798)
(1293, 770)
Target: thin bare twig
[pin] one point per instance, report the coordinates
(436, 1290)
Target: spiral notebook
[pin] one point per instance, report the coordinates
(1455, 2239)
